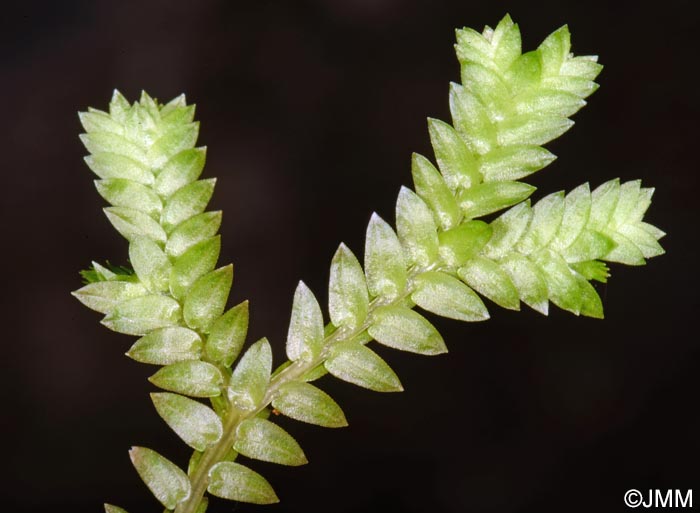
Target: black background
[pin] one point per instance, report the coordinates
(310, 110)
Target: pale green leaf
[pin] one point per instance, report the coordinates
(583, 66)
(561, 282)
(488, 86)
(105, 142)
(464, 241)
(446, 296)
(532, 129)
(166, 481)
(263, 440)
(251, 376)
(104, 296)
(488, 279)
(305, 334)
(471, 120)
(576, 85)
(235, 482)
(192, 377)
(194, 263)
(547, 215)
(555, 51)
(348, 298)
(140, 315)
(507, 230)
(514, 162)
(457, 164)
(111, 165)
(472, 46)
(506, 42)
(114, 509)
(151, 264)
(431, 187)
(172, 143)
(528, 281)
(591, 305)
(643, 203)
(192, 231)
(603, 202)
(98, 121)
(645, 241)
(166, 346)
(590, 245)
(577, 208)
(206, 300)
(183, 168)
(306, 403)
(405, 330)
(548, 102)
(525, 72)
(629, 194)
(592, 270)
(196, 424)
(118, 106)
(134, 223)
(384, 260)
(625, 251)
(227, 335)
(416, 228)
(130, 194)
(357, 364)
(490, 197)
(186, 202)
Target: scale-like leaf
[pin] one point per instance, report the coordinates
(306, 403)
(487, 278)
(104, 296)
(227, 335)
(463, 242)
(251, 376)
(194, 263)
(263, 440)
(166, 346)
(416, 228)
(109, 508)
(206, 300)
(457, 164)
(134, 223)
(197, 424)
(111, 165)
(431, 187)
(445, 295)
(384, 260)
(235, 482)
(166, 481)
(130, 194)
(151, 264)
(192, 377)
(183, 168)
(188, 201)
(305, 335)
(357, 364)
(406, 330)
(514, 162)
(190, 232)
(491, 197)
(140, 315)
(348, 298)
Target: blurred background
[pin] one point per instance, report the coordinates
(310, 110)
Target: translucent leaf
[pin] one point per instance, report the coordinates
(604, 200)
(629, 193)
(561, 282)
(490, 197)
(306, 403)
(471, 46)
(191, 377)
(188, 201)
(642, 205)
(263, 440)
(111, 165)
(127, 193)
(206, 300)
(584, 66)
(547, 215)
(227, 335)
(172, 143)
(305, 334)
(104, 142)
(514, 162)
(487, 278)
(104, 296)
(471, 120)
(235, 482)
(197, 424)
(446, 296)
(625, 251)
(357, 364)
(555, 50)
(251, 376)
(134, 223)
(166, 481)
(507, 230)
(507, 43)
(431, 187)
(114, 509)
(384, 261)
(488, 86)
(167, 346)
(464, 241)
(192, 231)
(406, 330)
(592, 270)
(194, 263)
(98, 121)
(577, 208)
(590, 245)
(530, 129)
(118, 106)
(548, 102)
(348, 299)
(525, 72)
(576, 85)
(454, 159)
(591, 305)
(150, 263)
(140, 315)
(528, 281)
(644, 240)
(183, 168)
(416, 228)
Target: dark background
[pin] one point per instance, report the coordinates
(310, 110)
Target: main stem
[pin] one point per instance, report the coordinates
(234, 417)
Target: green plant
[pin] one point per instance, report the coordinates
(441, 258)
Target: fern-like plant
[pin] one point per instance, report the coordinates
(441, 258)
